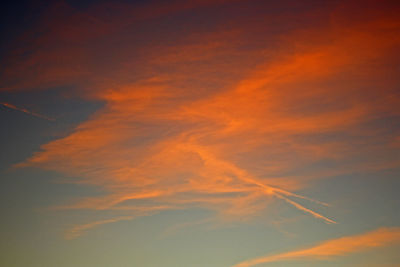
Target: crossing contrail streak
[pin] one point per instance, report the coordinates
(11, 106)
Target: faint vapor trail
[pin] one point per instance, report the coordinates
(11, 106)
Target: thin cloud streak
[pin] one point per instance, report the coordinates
(11, 106)
(78, 230)
(336, 247)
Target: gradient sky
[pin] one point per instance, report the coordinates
(204, 133)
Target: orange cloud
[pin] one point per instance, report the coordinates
(336, 247)
(199, 120)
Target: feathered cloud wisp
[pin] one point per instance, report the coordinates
(228, 116)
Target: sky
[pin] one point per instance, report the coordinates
(204, 133)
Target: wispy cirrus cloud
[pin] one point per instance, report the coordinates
(200, 120)
(78, 230)
(334, 248)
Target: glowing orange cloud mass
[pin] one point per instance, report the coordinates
(195, 118)
(336, 247)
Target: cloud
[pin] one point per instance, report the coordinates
(11, 106)
(335, 247)
(229, 116)
(79, 229)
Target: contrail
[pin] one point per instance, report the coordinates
(11, 106)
